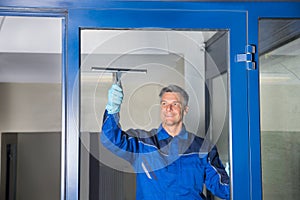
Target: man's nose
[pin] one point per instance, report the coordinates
(169, 107)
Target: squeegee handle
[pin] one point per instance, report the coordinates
(118, 78)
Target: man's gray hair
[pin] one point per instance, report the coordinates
(177, 89)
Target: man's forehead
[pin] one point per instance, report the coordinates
(174, 96)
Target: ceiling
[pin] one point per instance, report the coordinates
(30, 49)
(279, 54)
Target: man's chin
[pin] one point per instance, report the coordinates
(170, 123)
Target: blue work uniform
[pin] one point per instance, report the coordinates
(168, 168)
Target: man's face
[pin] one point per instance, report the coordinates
(171, 109)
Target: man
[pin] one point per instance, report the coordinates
(170, 162)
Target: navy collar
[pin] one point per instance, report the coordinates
(163, 134)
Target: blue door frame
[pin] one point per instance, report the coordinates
(243, 26)
(233, 21)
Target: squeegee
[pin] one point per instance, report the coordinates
(117, 72)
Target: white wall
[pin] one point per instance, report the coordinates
(280, 107)
(30, 107)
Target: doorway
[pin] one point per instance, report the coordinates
(182, 57)
(31, 107)
(280, 102)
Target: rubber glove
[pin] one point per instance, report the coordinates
(115, 98)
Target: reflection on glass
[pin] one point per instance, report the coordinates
(170, 57)
(30, 107)
(280, 114)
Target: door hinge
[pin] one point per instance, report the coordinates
(248, 57)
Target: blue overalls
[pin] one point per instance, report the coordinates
(168, 168)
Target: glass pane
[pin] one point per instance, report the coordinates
(30, 107)
(168, 57)
(216, 117)
(280, 103)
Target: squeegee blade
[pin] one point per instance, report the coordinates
(128, 70)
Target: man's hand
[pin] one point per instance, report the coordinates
(115, 98)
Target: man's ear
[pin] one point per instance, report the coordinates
(186, 110)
